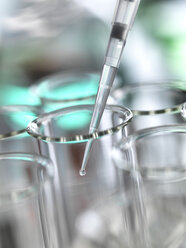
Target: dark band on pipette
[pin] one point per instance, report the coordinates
(119, 31)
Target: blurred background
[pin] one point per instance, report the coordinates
(39, 38)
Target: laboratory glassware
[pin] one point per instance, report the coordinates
(156, 158)
(107, 224)
(123, 20)
(66, 89)
(62, 136)
(13, 122)
(26, 215)
(152, 103)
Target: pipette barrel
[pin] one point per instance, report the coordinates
(122, 22)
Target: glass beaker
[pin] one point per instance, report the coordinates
(66, 89)
(152, 103)
(153, 161)
(26, 218)
(13, 122)
(63, 135)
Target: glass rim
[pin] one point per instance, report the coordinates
(17, 108)
(35, 124)
(171, 83)
(128, 145)
(151, 131)
(35, 161)
(36, 88)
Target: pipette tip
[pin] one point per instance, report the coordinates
(82, 172)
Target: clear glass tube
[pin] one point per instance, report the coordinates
(13, 122)
(155, 157)
(66, 89)
(107, 224)
(26, 218)
(62, 135)
(153, 103)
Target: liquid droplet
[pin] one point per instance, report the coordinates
(183, 110)
(82, 172)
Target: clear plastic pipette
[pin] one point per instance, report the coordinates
(124, 16)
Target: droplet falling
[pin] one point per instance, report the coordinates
(183, 111)
(82, 172)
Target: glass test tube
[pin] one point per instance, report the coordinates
(63, 135)
(152, 103)
(66, 89)
(158, 155)
(26, 217)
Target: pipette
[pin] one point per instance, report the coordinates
(124, 16)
